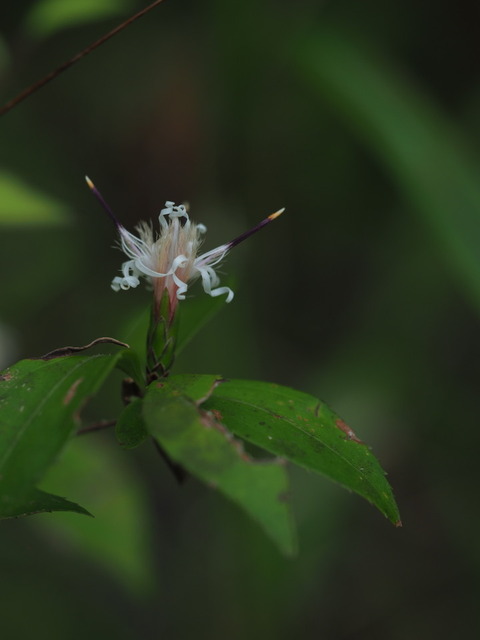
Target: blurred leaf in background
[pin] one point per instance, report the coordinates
(23, 205)
(422, 150)
(117, 537)
(47, 17)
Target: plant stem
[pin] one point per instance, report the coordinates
(66, 65)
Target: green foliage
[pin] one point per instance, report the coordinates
(161, 339)
(305, 431)
(193, 438)
(414, 140)
(193, 419)
(47, 17)
(40, 401)
(36, 501)
(117, 538)
(200, 423)
(21, 205)
(193, 314)
(131, 363)
(130, 429)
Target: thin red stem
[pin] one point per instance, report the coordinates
(66, 65)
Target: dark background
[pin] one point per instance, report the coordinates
(362, 119)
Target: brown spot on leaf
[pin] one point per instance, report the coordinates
(350, 433)
(71, 392)
(210, 391)
(207, 419)
(217, 415)
(6, 377)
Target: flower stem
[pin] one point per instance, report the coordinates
(161, 339)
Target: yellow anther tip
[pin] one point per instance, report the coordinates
(272, 216)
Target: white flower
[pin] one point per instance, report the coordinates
(169, 260)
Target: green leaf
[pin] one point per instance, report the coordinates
(38, 502)
(208, 451)
(99, 474)
(39, 405)
(415, 141)
(134, 331)
(21, 204)
(197, 387)
(197, 312)
(131, 364)
(49, 16)
(130, 429)
(304, 430)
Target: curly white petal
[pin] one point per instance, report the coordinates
(182, 287)
(209, 279)
(129, 279)
(172, 211)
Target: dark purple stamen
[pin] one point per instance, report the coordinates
(100, 198)
(246, 234)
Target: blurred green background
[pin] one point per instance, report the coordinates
(363, 120)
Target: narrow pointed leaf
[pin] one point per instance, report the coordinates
(208, 451)
(38, 502)
(413, 138)
(39, 406)
(304, 430)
